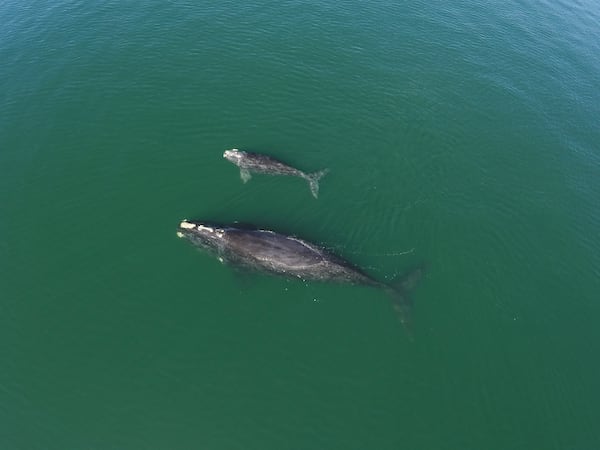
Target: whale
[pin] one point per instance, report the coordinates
(249, 163)
(279, 254)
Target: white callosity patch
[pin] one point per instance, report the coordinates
(186, 225)
(191, 226)
(234, 155)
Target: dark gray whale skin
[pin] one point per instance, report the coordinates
(271, 252)
(249, 162)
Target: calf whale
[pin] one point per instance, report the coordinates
(256, 163)
(279, 254)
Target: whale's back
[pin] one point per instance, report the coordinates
(274, 250)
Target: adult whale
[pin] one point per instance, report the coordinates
(279, 254)
(257, 163)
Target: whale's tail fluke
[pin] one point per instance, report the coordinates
(313, 181)
(399, 291)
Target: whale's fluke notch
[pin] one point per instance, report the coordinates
(399, 291)
(313, 181)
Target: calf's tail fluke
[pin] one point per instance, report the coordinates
(399, 291)
(313, 181)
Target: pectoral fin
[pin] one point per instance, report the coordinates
(245, 175)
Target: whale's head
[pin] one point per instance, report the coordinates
(201, 234)
(234, 155)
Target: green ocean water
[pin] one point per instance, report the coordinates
(461, 135)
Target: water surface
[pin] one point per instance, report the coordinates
(464, 135)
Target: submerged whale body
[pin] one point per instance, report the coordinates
(256, 163)
(271, 252)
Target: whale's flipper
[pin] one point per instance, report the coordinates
(245, 175)
(313, 181)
